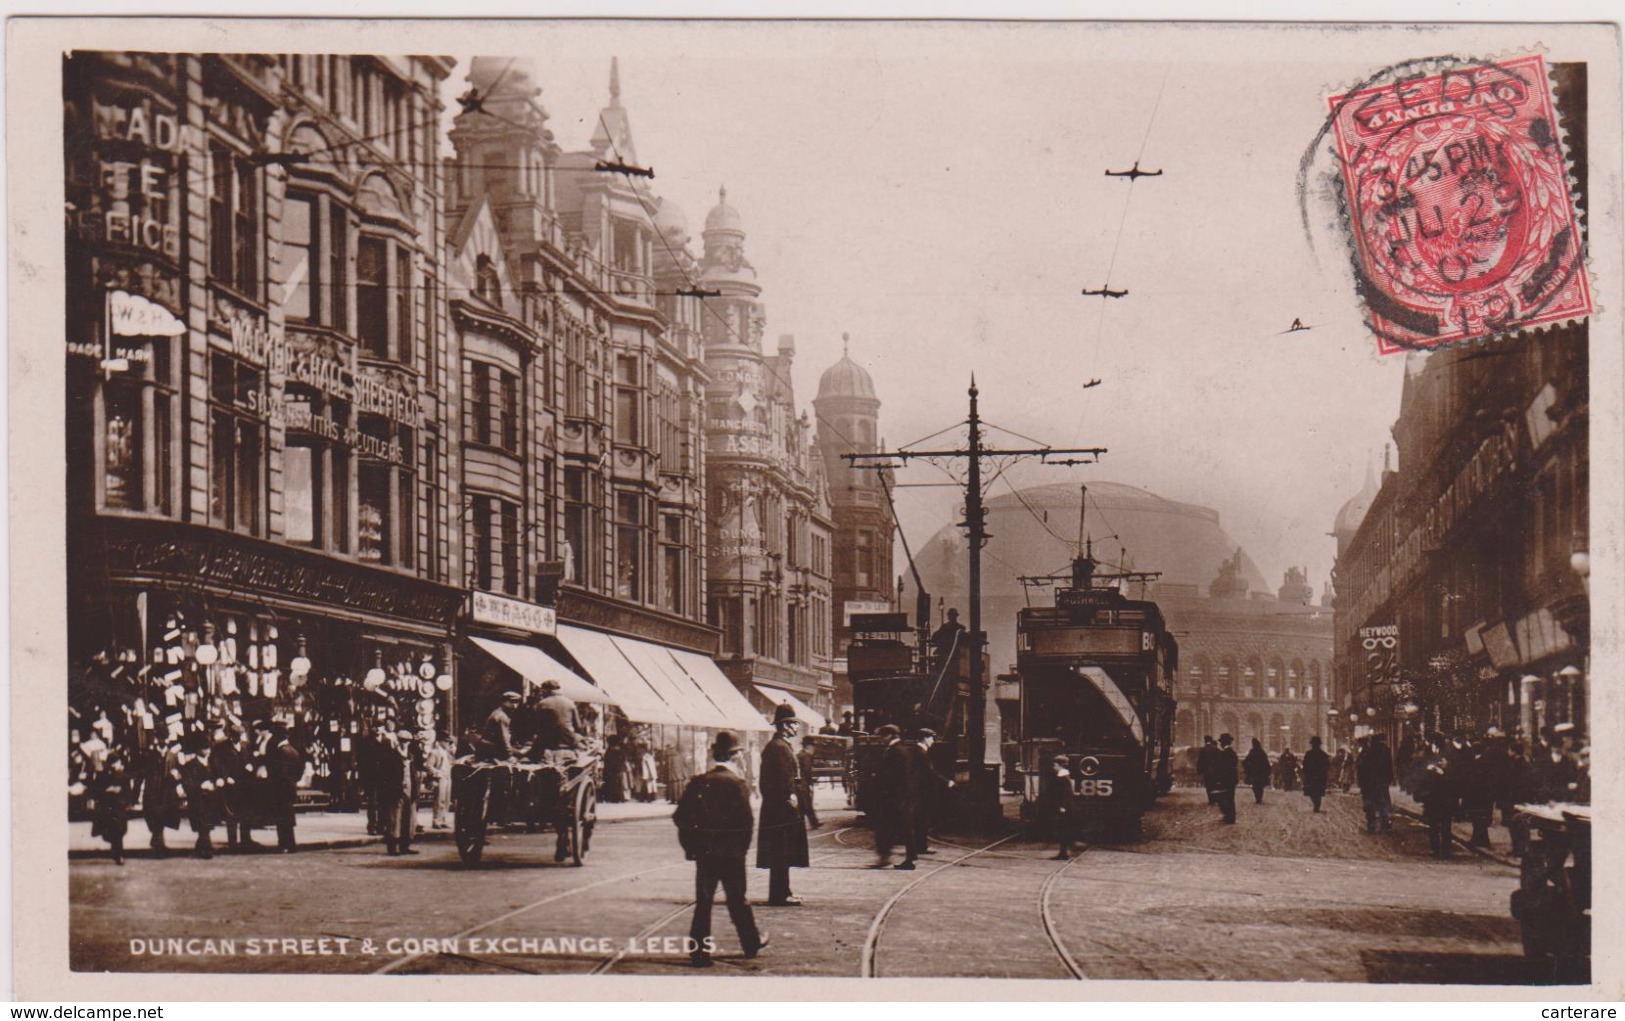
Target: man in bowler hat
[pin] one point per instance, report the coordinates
(714, 826)
(781, 844)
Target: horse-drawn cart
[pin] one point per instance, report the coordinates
(561, 794)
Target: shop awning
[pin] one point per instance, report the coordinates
(614, 673)
(729, 700)
(678, 689)
(809, 717)
(536, 666)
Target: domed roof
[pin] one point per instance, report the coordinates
(724, 216)
(1353, 512)
(846, 378)
(513, 77)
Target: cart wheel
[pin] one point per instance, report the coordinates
(468, 826)
(582, 819)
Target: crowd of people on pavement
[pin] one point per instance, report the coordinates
(1453, 778)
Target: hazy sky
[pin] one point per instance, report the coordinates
(938, 193)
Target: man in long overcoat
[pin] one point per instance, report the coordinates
(203, 802)
(928, 787)
(894, 798)
(161, 796)
(781, 844)
(1223, 776)
(1204, 765)
(1374, 770)
(283, 765)
(1256, 769)
(1317, 766)
(713, 825)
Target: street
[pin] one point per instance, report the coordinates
(1284, 895)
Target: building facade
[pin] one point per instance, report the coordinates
(1462, 598)
(768, 522)
(848, 413)
(580, 470)
(256, 372)
(1252, 664)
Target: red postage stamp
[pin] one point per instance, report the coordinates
(1459, 206)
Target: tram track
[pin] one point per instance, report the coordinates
(868, 962)
(553, 898)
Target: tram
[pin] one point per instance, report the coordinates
(907, 677)
(1096, 684)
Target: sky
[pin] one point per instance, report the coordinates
(938, 193)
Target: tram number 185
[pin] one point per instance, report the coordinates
(1094, 788)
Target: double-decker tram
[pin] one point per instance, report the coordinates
(1096, 681)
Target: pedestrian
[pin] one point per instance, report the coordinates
(1055, 805)
(226, 760)
(1339, 759)
(893, 798)
(161, 795)
(437, 764)
(369, 759)
(614, 790)
(110, 792)
(714, 827)
(781, 844)
(1204, 765)
(1317, 766)
(1436, 788)
(1375, 774)
(1349, 772)
(1519, 789)
(847, 726)
(1222, 778)
(202, 798)
(929, 788)
(805, 782)
(396, 782)
(1478, 779)
(496, 737)
(1256, 770)
(282, 768)
(1288, 768)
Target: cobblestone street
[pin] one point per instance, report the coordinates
(1284, 895)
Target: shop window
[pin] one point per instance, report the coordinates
(628, 401)
(237, 444)
(234, 221)
(301, 484)
(297, 263)
(122, 446)
(673, 554)
(372, 295)
(373, 519)
(628, 546)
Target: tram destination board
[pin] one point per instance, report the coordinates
(1075, 641)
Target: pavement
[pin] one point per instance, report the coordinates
(323, 830)
(1285, 894)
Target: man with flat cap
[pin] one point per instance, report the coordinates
(928, 786)
(781, 844)
(714, 826)
(496, 737)
(558, 736)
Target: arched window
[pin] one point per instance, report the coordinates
(1311, 680)
(1201, 671)
(1277, 733)
(1228, 724)
(1227, 676)
(1255, 727)
(1252, 677)
(1273, 679)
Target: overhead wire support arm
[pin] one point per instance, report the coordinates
(617, 167)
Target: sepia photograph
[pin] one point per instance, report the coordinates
(745, 501)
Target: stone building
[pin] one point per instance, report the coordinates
(259, 520)
(848, 413)
(769, 528)
(581, 384)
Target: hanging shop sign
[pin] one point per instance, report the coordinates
(515, 613)
(1380, 644)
